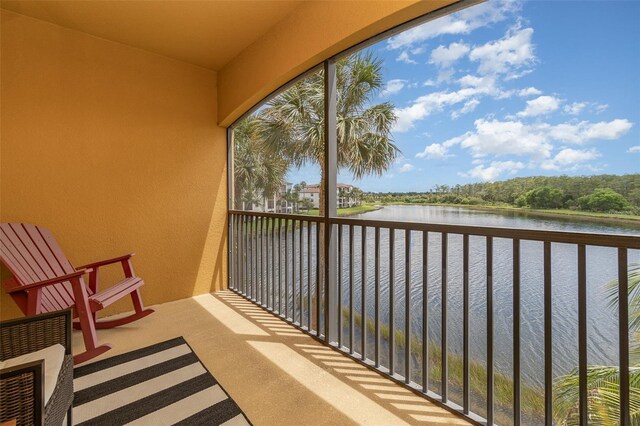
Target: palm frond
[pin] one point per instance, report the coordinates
(603, 398)
(612, 292)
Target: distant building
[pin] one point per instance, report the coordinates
(347, 197)
(277, 203)
(311, 192)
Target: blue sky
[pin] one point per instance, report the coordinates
(509, 88)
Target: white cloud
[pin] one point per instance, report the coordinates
(516, 75)
(570, 156)
(529, 91)
(407, 167)
(417, 50)
(404, 57)
(426, 105)
(435, 150)
(569, 159)
(506, 138)
(585, 131)
(494, 170)
(445, 56)
(598, 108)
(506, 55)
(575, 108)
(439, 150)
(400, 159)
(392, 87)
(462, 22)
(534, 140)
(468, 107)
(539, 106)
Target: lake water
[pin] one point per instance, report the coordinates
(601, 268)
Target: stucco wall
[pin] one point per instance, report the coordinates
(115, 150)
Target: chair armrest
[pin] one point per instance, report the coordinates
(51, 281)
(30, 334)
(22, 393)
(96, 265)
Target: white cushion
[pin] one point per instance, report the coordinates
(53, 357)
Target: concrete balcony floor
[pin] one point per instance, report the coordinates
(276, 374)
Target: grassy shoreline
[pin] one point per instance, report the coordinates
(349, 211)
(559, 213)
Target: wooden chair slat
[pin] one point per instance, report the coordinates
(56, 251)
(48, 243)
(49, 304)
(116, 292)
(12, 233)
(58, 294)
(60, 266)
(40, 252)
(30, 275)
(30, 246)
(14, 266)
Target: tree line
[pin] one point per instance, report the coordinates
(604, 193)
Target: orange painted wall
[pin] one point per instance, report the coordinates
(313, 32)
(115, 150)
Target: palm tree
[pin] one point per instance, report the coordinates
(256, 172)
(292, 197)
(357, 194)
(603, 382)
(293, 122)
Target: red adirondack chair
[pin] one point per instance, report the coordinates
(44, 281)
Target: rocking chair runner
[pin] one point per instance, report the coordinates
(44, 281)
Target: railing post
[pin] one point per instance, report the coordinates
(230, 240)
(623, 326)
(330, 170)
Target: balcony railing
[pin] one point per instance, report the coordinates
(385, 313)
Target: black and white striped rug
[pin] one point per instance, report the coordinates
(161, 384)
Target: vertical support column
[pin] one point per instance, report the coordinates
(548, 339)
(425, 311)
(582, 334)
(623, 327)
(444, 373)
(407, 306)
(377, 294)
(330, 170)
(517, 417)
(466, 390)
(230, 240)
(490, 378)
(352, 292)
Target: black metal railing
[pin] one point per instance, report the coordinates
(276, 263)
(388, 276)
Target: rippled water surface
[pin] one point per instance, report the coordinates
(601, 268)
